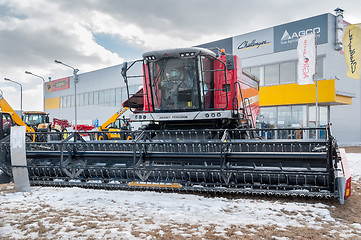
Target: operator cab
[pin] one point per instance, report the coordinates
(6, 124)
(177, 79)
(188, 86)
(36, 119)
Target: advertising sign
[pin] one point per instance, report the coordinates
(58, 84)
(306, 51)
(253, 44)
(286, 36)
(352, 45)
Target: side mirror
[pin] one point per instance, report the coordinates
(124, 70)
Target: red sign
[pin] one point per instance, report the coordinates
(59, 84)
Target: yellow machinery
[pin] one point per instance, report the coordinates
(5, 107)
(113, 126)
(38, 120)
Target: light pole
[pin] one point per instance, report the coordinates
(42, 85)
(21, 93)
(75, 73)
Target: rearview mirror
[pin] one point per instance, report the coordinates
(124, 70)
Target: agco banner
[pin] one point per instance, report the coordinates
(58, 84)
(285, 37)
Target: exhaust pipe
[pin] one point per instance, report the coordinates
(339, 29)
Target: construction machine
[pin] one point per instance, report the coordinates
(199, 108)
(5, 107)
(38, 120)
(115, 127)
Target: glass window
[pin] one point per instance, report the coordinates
(86, 99)
(67, 101)
(72, 101)
(268, 119)
(118, 96)
(299, 116)
(96, 98)
(61, 99)
(271, 74)
(259, 73)
(288, 72)
(323, 119)
(174, 84)
(255, 71)
(284, 116)
(323, 116)
(111, 97)
(80, 99)
(91, 98)
(101, 97)
(124, 94)
(107, 97)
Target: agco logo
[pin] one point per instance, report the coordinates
(291, 38)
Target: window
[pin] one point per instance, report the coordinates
(91, 98)
(268, 119)
(101, 97)
(71, 101)
(86, 99)
(259, 73)
(118, 96)
(271, 74)
(61, 102)
(80, 100)
(288, 72)
(124, 94)
(299, 116)
(96, 98)
(111, 93)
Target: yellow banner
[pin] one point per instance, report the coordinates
(352, 48)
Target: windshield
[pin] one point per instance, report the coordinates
(33, 119)
(174, 84)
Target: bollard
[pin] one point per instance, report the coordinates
(18, 159)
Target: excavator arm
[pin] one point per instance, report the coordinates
(113, 118)
(5, 107)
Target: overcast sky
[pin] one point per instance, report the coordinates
(93, 34)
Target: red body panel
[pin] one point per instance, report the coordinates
(236, 81)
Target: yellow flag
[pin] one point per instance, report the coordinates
(352, 48)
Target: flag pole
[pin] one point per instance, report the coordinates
(315, 79)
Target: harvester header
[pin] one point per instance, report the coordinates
(198, 109)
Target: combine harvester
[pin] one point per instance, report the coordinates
(199, 110)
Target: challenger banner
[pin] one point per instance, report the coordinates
(306, 51)
(352, 47)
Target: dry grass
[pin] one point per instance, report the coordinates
(353, 149)
(7, 188)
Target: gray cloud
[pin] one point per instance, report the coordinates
(34, 33)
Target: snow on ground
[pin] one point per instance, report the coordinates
(69, 213)
(354, 161)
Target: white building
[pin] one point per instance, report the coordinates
(269, 54)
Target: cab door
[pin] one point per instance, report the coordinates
(5, 125)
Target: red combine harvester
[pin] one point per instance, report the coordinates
(198, 109)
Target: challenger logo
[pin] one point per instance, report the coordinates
(253, 44)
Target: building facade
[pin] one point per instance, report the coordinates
(271, 55)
